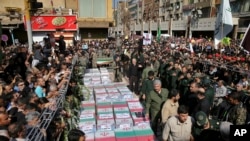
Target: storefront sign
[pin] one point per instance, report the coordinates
(51, 23)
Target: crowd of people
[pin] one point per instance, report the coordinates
(33, 86)
(202, 89)
(199, 91)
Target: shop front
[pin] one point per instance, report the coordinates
(53, 26)
(179, 28)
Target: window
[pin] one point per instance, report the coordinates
(246, 6)
(92, 8)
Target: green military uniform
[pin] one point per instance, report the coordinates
(173, 77)
(167, 76)
(162, 72)
(145, 72)
(184, 87)
(147, 86)
(209, 93)
(156, 66)
(201, 121)
(154, 102)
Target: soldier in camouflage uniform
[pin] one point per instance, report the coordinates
(71, 116)
(237, 114)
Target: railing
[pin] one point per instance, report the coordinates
(48, 114)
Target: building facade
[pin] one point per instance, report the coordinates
(94, 18)
(189, 18)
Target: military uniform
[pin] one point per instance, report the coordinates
(162, 72)
(147, 87)
(173, 76)
(156, 66)
(237, 114)
(183, 87)
(145, 73)
(154, 102)
(209, 93)
(199, 129)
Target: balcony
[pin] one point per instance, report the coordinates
(173, 1)
(188, 7)
(132, 12)
(203, 4)
(132, 5)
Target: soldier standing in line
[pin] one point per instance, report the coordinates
(147, 87)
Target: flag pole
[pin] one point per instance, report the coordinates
(222, 21)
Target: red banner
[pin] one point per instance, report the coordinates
(51, 23)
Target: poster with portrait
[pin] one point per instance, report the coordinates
(147, 38)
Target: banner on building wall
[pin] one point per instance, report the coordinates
(147, 38)
(51, 23)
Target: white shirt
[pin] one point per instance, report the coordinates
(221, 91)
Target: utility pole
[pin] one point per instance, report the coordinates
(31, 6)
(142, 14)
(28, 25)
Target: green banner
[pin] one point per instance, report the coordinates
(158, 34)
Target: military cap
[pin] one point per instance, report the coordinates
(201, 118)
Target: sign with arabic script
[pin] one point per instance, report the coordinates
(51, 23)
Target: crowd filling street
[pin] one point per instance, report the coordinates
(188, 93)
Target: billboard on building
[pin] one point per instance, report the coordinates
(53, 22)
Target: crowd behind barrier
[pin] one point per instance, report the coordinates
(48, 114)
(33, 85)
